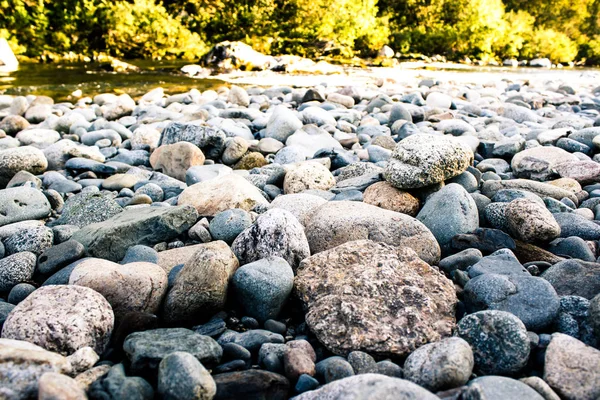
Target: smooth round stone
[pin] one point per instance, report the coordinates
(448, 212)
(461, 260)
(282, 123)
(361, 362)
(20, 292)
(533, 300)
(388, 368)
(232, 351)
(252, 340)
(306, 176)
(257, 385)
(147, 349)
(53, 385)
(62, 319)
(227, 225)
(138, 286)
(249, 322)
(439, 100)
(573, 247)
(140, 253)
(332, 369)
(139, 199)
(16, 269)
(306, 383)
(290, 155)
(181, 377)
(22, 204)
(498, 339)
(499, 388)
(34, 240)
(531, 222)
(153, 191)
(120, 181)
(369, 386)
(84, 164)
(25, 158)
(275, 326)
(441, 365)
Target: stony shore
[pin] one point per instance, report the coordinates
(387, 240)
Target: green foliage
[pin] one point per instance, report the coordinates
(145, 30)
(562, 30)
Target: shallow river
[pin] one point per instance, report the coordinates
(61, 80)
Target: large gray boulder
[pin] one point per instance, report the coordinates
(421, 160)
(338, 222)
(110, 239)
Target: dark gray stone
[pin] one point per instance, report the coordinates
(572, 224)
(140, 253)
(533, 300)
(501, 262)
(59, 256)
(574, 277)
(499, 341)
(112, 238)
(256, 385)
(182, 376)
(227, 225)
(145, 350)
(332, 369)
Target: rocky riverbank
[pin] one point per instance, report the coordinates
(391, 239)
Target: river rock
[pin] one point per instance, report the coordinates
(499, 341)
(538, 163)
(181, 376)
(449, 212)
(308, 176)
(15, 269)
(200, 288)
(216, 195)
(138, 286)
(87, 208)
(22, 364)
(441, 365)
(533, 300)
(62, 319)
(384, 195)
(499, 388)
(145, 350)
(301, 205)
(263, 287)
(22, 204)
(54, 386)
(530, 222)
(257, 385)
(26, 158)
(274, 233)
(175, 159)
(574, 277)
(110, 239)
(338, 222)
(351, 277)
(34, 240)
(374, 386)
(422, 160)
(571, 368)
(282, 124)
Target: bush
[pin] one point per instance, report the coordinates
(145, 30)
(551, 44)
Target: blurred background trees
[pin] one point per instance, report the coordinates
(562, 30)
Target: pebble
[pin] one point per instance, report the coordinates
(181, 376)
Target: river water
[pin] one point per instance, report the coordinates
(59, 81)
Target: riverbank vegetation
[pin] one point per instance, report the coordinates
(562, 30)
